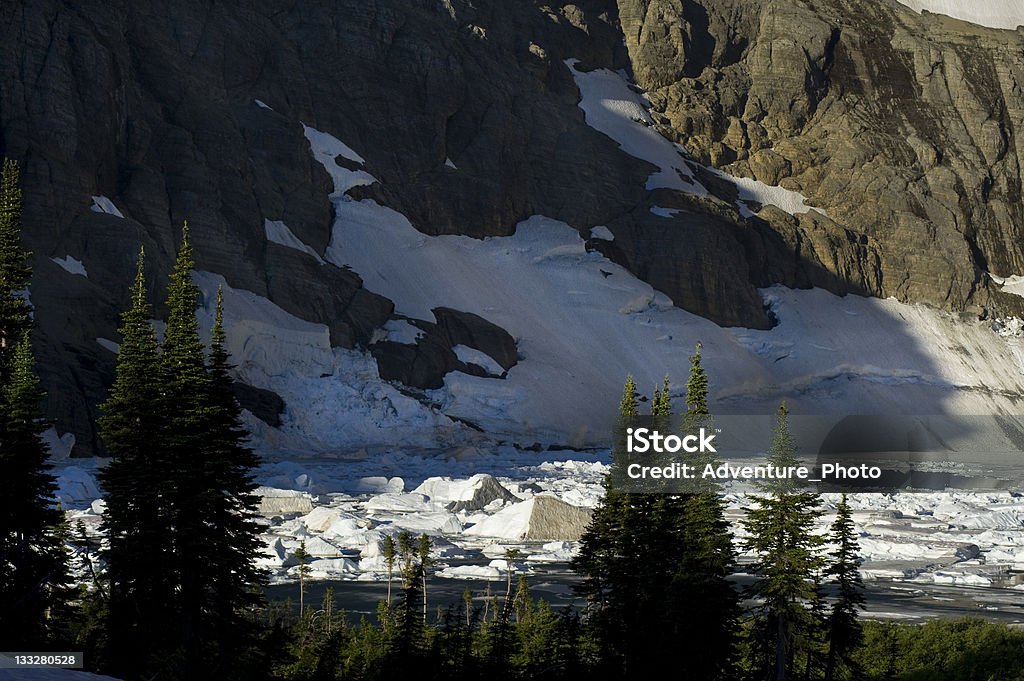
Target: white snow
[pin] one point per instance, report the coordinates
(601, 232)
(75, 485)
(279, 233)
(611, 106)
(572, 323)
(335, 399)
(664, 212)
(448, 164)
(263, 105)
(401, 331)
(993, 13)
(326, 148)
(101, 204)
(60, 446)
(761, 194)
(481, 359)
(108, 344)
(1012, 284)
(410, 502)
(71, 265)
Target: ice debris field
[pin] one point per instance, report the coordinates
(476, 503)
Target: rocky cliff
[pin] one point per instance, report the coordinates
(900, 127)
(904, 128)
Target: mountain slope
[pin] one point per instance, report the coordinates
(440, 217)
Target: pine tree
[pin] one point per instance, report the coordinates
(137, 492)
(180, 494)
(701, 581)
(845, 634)
(228, 466)
(33, 571)
(389, 551)
(423, 553)
(15, 273)
(780, 526)
(302, 557)
(215, 537)
(603, 560)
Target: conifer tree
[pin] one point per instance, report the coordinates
(15, 273)
(180, 493)
(602, 559)
(701, 581)
(845, 634)
(780, 528)
(228, 466)
(389, 551)
(137, 492)
(33, 571)
(215, 537)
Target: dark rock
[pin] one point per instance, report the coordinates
(266, 405)
(466, 328)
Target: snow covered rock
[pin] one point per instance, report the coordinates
(542, 518)
(465, 495)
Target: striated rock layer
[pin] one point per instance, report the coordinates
(904, 128)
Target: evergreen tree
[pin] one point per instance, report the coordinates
(603, 559)
(137, 491)
(228, 466)
(180, 494)
(33, 571)
(15, 273)
(389, 552)
(701, 580)
(845, 635)
(780, 525)
(215, 536)
(302, 557)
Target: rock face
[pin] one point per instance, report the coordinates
(904, 128)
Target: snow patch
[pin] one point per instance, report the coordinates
(755, 192)
(611, 107)
(263, 105)
(279, 233)
(601, 232)
(109, 345)
(448, 164)
(326, 149)
(401, 331)
(101, 204)
(60, 446)
(664, 212)
(71, 265)
(992, 13)
(481, 359)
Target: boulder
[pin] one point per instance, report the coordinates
(542, 518)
